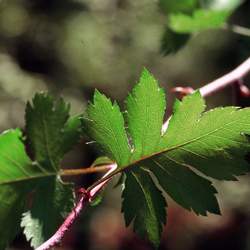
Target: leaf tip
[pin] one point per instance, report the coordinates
(99, 97)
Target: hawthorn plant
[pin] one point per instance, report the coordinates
(179, 159)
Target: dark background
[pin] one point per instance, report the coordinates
(71, 47)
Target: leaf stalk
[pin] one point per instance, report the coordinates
(83, 171)
(84, 200)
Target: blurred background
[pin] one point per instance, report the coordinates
(71, 47)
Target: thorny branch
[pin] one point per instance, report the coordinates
(84, 200)
(234, 76)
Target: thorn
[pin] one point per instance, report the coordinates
(82, 192)
(90, 142)
(182, 91)
(243, 89)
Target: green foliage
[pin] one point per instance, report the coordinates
(145, 112)
(144, 204)
(51, 133)
(185, 6)
(190, 16)
(109, 131)
(97, 200)
(45, 121)
(15, 166)
(199, 21)
(172, 41)
(102, 160)
(11, 208)
(211, 142)
(46, 215)
(197, 145)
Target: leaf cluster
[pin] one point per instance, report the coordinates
(180, 161)
(32, 194)
(189, 17)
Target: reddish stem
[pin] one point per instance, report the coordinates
(57, 237)
(84, 200)
(234, 76)
(226, 80)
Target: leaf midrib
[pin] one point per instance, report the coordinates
(123, 168)
(16, 163)
(45, 132)
(181, 144)
(144, 192)
(27, 178)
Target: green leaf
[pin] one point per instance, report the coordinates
(200, 20)
(11, 208)
(15, 164)
(145, 111)
(50, 130)
(19, 176)
(44, 124)
(212, 143)
(186, 6)
(108, 130)
(45, 121)
(172, 42)
(51, 133)
(143, 202)
(97, 200)
(187, 188)
(52, 202)
(15, 167)
(102, 160)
